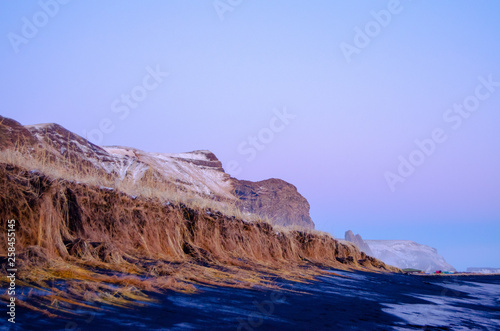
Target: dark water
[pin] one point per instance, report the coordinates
(359, 301)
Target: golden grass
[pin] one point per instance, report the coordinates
(48, 161)
(108, 247)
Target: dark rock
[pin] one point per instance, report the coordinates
(275, 199)
(358, 241)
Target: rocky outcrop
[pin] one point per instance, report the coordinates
(275, 199)
(12, 134)
(195, 175)
(358, 241)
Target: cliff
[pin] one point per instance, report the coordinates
(196, 175)
(358, 241)
(409, 254)
(98, 245)
(401, 253)
(108, 225)
(275, 199)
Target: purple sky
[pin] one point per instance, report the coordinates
(360, 82)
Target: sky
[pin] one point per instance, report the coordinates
(383, 114)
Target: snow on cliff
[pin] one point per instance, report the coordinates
(408, 254)
(198, 170)
(194, 176)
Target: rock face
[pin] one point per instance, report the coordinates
(408, 254)
(197, 174)
(12, 133)
(276, 199)
(358, 241)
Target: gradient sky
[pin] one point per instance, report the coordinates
(230, 70)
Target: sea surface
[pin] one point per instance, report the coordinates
(346, 301)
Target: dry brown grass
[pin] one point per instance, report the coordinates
(116, 246)
(48, 161)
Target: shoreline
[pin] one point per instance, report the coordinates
(456, 274)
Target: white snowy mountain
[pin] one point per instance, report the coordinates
(408, 254)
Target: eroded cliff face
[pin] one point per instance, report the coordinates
(78, 225)
(193, 175)
(56, 215)
(275, 199)
(102, 246)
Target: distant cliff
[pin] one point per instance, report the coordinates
(484, 270)
(358, 241)
(402, 253)
(409, 254)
